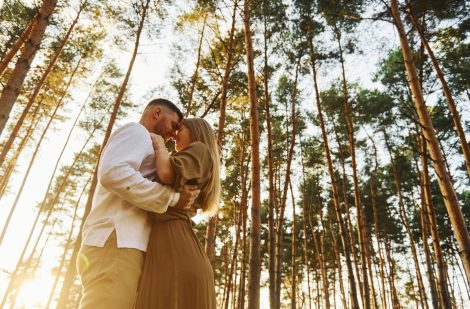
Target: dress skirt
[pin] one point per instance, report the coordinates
(177, 273)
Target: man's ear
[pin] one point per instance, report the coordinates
(157, 112)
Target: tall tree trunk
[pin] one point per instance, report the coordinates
(344, 238)
(294, 253)
(391, 262)
(280, 217)
(271, 186)
(16, 46)
(305, 215)
(23, 64)
(431, 219)
(362, 234)
(404, 218)
(239, 222)
(450, 100)
(212, 225)
(443, 177)
(427, 253)
(37, 88)
(373, 194)
(255, 262)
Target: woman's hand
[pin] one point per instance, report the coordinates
(157, 141)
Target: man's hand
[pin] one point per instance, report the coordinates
(187, 196)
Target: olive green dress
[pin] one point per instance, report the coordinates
(177, 273)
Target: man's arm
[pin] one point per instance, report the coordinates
(118, 171)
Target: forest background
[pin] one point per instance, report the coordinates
(334, 120)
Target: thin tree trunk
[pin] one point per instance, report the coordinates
(239, 221)
(391, 262)
(448, 95)
(255, 262)
(16, 46)
(344, 238)
(305, 215)
(66, 248)
(12, 162)
(431, 218)
(196, 70)
(443, 177)
(294, 253)
(23, 64)
(376, 226)
(212, 225)
(404, 217)
(37, 88)
(33, 156)
(362, 234)
(271, 186)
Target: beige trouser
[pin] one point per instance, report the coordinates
(109, 275)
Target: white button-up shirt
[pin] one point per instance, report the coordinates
(125, 191)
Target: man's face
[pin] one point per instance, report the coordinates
(167, 123)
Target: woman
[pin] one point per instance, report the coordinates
(177, 273)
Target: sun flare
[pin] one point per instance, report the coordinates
(33, 293)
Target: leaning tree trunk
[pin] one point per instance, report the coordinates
(294, 253)
(255, 262)
(23, 64)
(445, 184)
(11, 163)
(212, 224)
(343, 233)
(16, 46)
(37, 88)
(447, 92)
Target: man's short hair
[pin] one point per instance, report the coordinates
(166, 103)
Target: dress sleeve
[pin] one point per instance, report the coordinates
(192, 165)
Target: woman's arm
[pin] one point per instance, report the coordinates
(165, 170)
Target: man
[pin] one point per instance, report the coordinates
(116, 232)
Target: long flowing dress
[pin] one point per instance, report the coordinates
(177, 273)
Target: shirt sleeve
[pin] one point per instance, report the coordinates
(192, 165)
(118, 171)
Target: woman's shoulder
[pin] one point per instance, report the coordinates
(195, 148)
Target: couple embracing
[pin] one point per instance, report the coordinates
(139, 249)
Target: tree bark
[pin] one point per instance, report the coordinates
(15, 82)
(431, 219)
(16, 46)
(344, 238)
(255, 262)
(212, 225)
(443, 177)
(37, 88)
(448, 94)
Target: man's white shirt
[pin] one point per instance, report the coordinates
(125, 191)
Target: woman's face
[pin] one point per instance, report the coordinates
(183, 137)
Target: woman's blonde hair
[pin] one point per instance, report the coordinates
(201, 131)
